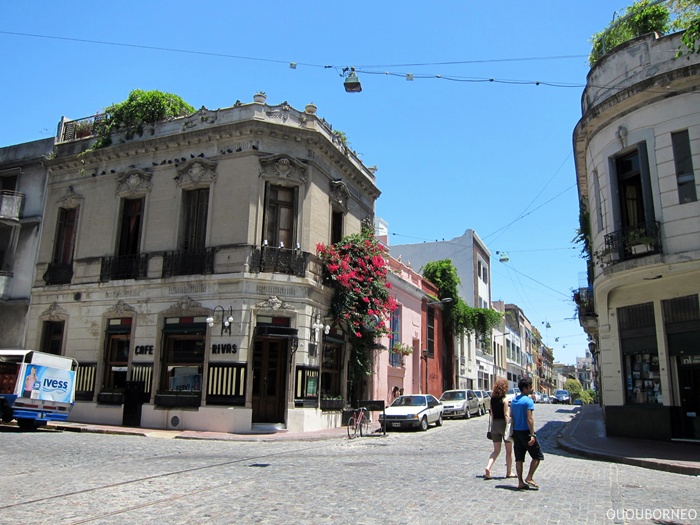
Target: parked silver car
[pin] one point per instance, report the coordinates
(460, 403)
(484, 401)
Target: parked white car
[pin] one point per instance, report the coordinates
(460, 403)
(415, 411)
(512, 393)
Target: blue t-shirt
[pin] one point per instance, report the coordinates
(518, 411)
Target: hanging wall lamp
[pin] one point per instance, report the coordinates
(226, 319)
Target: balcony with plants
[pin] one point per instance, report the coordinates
(631, 242)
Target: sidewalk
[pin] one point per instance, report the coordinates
(254, 435)
(585, 436)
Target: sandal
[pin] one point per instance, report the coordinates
(532, 484)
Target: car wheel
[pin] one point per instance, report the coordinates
(438, 423)
(481, 411)
(424, 424)
(467, 413)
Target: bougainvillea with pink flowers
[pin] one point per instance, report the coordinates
(356, 267)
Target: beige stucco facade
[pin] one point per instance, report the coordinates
(157, 301)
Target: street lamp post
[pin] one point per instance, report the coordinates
(595, 353)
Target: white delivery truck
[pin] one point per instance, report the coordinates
(36, 387)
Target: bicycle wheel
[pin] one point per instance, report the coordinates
(364, 426)
(352, 429)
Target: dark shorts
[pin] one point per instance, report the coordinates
(520, 446)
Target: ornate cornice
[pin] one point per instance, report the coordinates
(274, 303)
(70, 199)
(133, 182)
(339, 194)
(196, 173)
(54, 313)
(283, 166)
(121, 308)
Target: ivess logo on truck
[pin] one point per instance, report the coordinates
(55, 384)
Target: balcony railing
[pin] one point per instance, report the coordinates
(11, 205)
(81, 128)
(58, 273)
(188, 262)
(124, 267)
(635, 241)
(278, 260)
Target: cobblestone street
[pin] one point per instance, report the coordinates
(432, 477)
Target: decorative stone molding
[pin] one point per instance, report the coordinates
(121, 308)
(196, 173)
(339, 194)
(186, 307)
(133, 182)
(282, 166)
(274, 303)
(71, 199)
(54, 313)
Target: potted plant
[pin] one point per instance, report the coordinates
(638, 241)
(260, 97)
(332, 402)
(608, 255)
(310, 108)
(402, 349)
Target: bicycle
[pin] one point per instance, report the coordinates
(358, 423)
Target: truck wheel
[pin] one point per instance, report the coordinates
(27, 424)
(5, 412)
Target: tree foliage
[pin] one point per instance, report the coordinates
(459, 317)
(687, 18)
(141, 107)
(647, 16)
(575, 388)
(638, 19)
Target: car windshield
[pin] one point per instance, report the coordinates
(479, 393)
(513, 391)
(409, 401)
(453, 396)
(562, 393)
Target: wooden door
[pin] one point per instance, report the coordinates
(269, 380)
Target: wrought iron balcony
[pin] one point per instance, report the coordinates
(632, 242)
(279, 260)
(188, 262)
(81, 128)
(124, 267)
(11, 205)
(58, 273)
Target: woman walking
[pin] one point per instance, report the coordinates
(500, 416)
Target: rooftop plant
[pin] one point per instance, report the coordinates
(142, 107)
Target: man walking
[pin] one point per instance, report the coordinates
(524, 438)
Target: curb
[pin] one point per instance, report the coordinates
(637, 462)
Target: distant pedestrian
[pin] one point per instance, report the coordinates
(524, 437)
(500, 417)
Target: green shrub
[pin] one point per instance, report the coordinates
(142, 107)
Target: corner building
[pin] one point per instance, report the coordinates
(179, 268)
(637, 150)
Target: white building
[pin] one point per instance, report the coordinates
(637, 151)
(474, 362)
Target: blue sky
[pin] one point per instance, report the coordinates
(452, 153)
